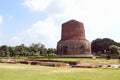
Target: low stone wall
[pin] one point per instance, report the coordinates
(67, 62)
(45, 63)
(96, 66)
(72, 56)
(7, 61)
(55, 63)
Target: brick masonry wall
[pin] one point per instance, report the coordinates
(73, 41)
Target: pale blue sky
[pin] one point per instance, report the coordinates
(33, 21)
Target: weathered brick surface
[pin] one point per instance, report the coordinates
(73, 42)
(73, 30)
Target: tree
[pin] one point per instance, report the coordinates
(35, 49)
(23, 50)
(119, 54)
(96, 45)
(43, 51)
(51, 53)
(101, 45)
(38, 49)
(12, 51)
(4, 51)
(115, 50)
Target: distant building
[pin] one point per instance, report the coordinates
(73, 42)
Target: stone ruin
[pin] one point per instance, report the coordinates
(73, 42)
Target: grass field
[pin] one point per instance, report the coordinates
(36, 72)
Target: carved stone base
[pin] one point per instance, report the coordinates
(74, 48)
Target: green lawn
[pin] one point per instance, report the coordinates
(36, 72)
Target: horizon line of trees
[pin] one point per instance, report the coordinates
(99, 47)
(35, 49)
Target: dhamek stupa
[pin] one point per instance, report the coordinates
(73, 42)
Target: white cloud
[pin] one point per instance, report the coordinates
(45, 32)
(39, 5)
(1, 19)
(100, 17)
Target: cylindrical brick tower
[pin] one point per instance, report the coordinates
(73, 42)
(73, 30)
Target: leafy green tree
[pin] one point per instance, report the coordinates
(119, 54)
(115, 50)
(35, 49)
(4, 51)
(43, 50)
(20, 50)
(96, 45)
(38, 49)
(51, 53)
(101, 45)
(12, 51)
(23, 50)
